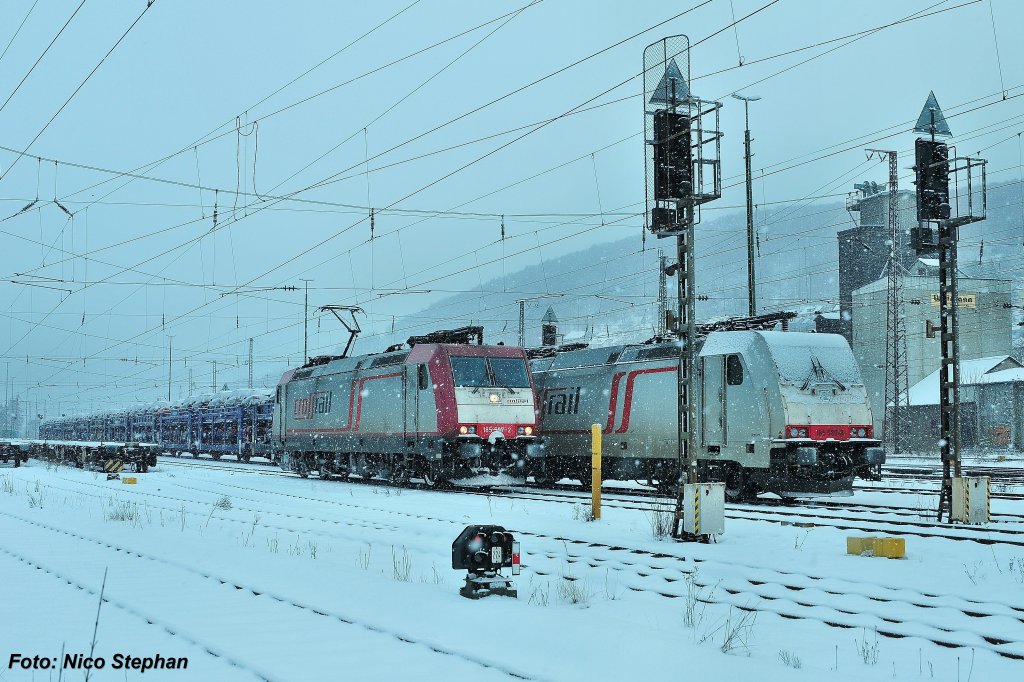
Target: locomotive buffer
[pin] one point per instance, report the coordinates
(682, 171)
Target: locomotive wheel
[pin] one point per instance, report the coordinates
(737, 486)
(434, 475)
(399, 474)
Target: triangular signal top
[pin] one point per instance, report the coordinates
(663, 93)
(924, 121)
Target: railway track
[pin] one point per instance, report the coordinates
(249, 597)
(669, 574)
(910, 521)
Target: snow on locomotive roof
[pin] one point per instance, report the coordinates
(793, 353)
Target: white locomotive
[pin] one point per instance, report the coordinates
(781, 412)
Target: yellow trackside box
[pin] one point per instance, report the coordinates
(890, 548)
(129, 479)
(859, 545)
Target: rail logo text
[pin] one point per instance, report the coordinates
(314, 404)
(562, 400)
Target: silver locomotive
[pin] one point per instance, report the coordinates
(781, 412)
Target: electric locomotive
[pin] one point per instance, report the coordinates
(438, 408)
(781, 412)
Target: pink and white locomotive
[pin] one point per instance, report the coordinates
(437, 408)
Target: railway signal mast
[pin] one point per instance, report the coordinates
(937, 172)
(682, 151)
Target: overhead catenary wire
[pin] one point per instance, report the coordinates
(42, 130)
(39, 59)
(18, 30)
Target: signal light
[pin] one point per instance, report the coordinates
(483, 551)
(673, 158)
(931, 160)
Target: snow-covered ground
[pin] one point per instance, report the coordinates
(261, 576)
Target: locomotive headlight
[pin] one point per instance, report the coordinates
(520, 430)
(494, 397)
(802, 433)
(861, 432)
(463, 430)
(528, 430)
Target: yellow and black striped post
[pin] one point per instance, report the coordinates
(595, 471)
(696, 509)
(988, 500)
(967, 502)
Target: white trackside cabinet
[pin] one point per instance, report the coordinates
(704, 508)
(971, 500)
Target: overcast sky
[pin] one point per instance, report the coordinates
(88, 302)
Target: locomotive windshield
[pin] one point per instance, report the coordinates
(470, 371)
(488, 372)
(510, 372)
(826, 360)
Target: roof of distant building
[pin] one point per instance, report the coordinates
(996, 369)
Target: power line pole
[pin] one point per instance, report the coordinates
(522, 323)
(305, 324)
(751, 278)
(896, 380)
(214, 376)
(170, 355)
(662, 293)
(250, 362)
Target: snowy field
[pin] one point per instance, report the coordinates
(254, 575)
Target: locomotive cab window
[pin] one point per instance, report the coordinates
(733, 370)
(510, 372)
(470, 371)
(422, 377)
